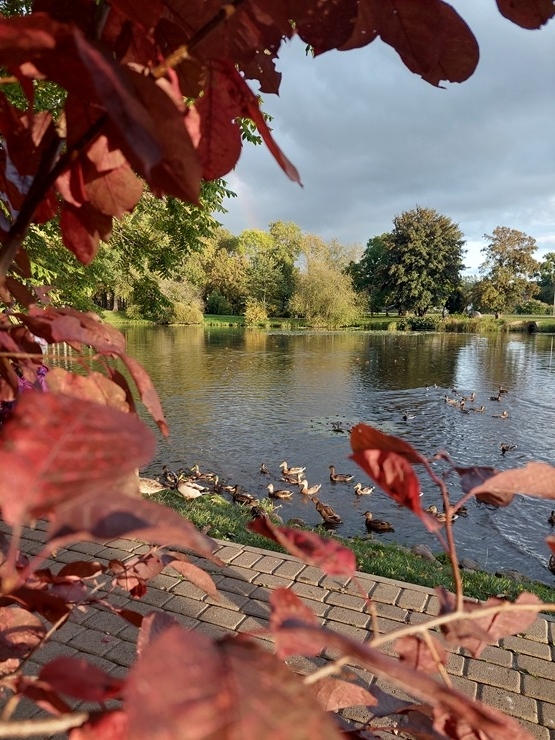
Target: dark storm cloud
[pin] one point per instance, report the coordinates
(371, 140)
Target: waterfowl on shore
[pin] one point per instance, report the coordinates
(551, 518)
(149, 486)
(502, 415)
(169, 477)
(190, 480)
(361, 490)
(286, 470)
(505, 447)
(339, 477)
(189, 492)
(242, 497)
(195, 472)
(309, 490)
(377, 525)
(220, 487)
(264, 470)
(279, 493)
(329, 515)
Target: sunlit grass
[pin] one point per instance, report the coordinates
(223, 520)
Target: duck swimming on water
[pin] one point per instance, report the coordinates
(339, 477)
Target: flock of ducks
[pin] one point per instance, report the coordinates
(192, 483)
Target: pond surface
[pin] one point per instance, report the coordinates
(235, 398)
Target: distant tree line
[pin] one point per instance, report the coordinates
(171, 262)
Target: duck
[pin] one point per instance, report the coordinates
(190, 481)
(309, 490)
(337, 426)
(195, 472)
(451, 401)
(478, 409)
(502, 415)
(361, 490)
(329, 515)
(407, 416)
(280, 493)
(551, 564)
(502, 390)
(219, 487)
(505, 447)
(441, 516)
(339, 477)
(551, 518)
(187, 491)
(150, 486)
(264, 470)
(242, 497)
(471, 397)
(295, 479)
(286, 470)
(169, 477)
(495, 398)
(377, 525)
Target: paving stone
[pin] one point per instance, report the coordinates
(54, 650)
(156, 597)
(465, 686)
(537, 667)
(346, 600)
(186, 588)
(247, 559)
(183, 605)
(386, 593)
(361, 581)
(268, 564)
(493, 654)
(228, 552)
(305, 590)
(228, 601)
(493, 675)
(123, 653)
(104, 621)
(348, 616)
(213, 631)
(87, 548)
(335, 583)
(267, 580)
(257, 609)
(537, 731)
(538, 630)
(91, 641)
(237, 571)
(547, 714)
(513, 704)
(289, 569)
(539, 688)
(233, 586)
(432, 605)
(413, 600)
(312, 575)
(527, 647)
(389, 611)
(125, 545)
(455, 664)
(228, 618)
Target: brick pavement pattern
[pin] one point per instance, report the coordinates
(516, 675)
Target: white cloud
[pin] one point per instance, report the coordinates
(371, 140)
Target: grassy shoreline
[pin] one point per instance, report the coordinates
(223, 520)
(378, 322)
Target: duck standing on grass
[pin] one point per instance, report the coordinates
(329, 515)
(242, 497)
(339, 477)
(376, 525)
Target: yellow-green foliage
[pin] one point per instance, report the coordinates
(184, 314)
(255, 313)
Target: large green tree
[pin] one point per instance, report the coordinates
(546, 279)
(424, 260)
(507, 270)
(368, 273)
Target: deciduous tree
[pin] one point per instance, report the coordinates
(424, 260)
(507, 270)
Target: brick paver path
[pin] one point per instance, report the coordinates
(517, 675)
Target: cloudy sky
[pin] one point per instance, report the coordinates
(371, 139)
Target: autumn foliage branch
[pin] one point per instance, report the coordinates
(70, 456)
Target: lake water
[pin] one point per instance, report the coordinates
(235, 398)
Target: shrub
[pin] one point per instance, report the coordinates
(218, 305)
(534, 308)
(255, 313)
(184, 314)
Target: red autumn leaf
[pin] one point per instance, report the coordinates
(186, 685)
(197, 576)
(416, 653)
(287, 607)
(525, 13)
(475, 634)
(152, 626)
(114, 192)
(78, 678)
(551, 543)
(333, 694)
(364, 437)
(20, 632)
(330, 556)
(147, 391)
(74, 327)
(63, 448)
(534, 479)
(364, 29)
(136, 571)
(51, 607)
(41, 694)
(94, 518)
(146, 14)
(213, 128)
(430, 37)
(481, 718)
(330, 27)
(474, 476)
(82, 569)
(111, 725)
(83, 229)
(92, 387)
(396, 477)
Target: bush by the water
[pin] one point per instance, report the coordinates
(418, 323)
(534, 308)
(255, 313)
(184, 314)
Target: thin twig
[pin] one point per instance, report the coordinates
(42, 727)
(439, 665)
